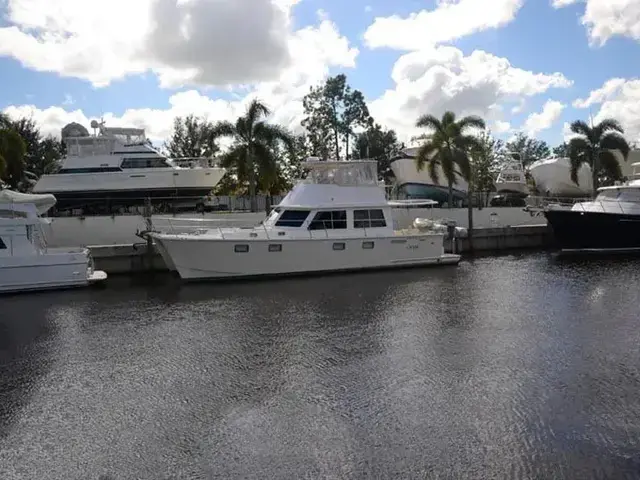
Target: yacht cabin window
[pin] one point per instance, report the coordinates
(329, 220)
(629, 195)
(292, 218)
(608, 195)
(149, 162)
(91, 170)
(368, 219)
(3, 246)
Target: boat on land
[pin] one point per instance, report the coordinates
(608, 223)
(336, 219)
(26, 263)
(411, 183)
(117, 168)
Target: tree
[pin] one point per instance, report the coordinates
(332, 112)
(448, 146)
(12, 152)
(191, 138)
(594, 146)
(485, 163)
(254, 147)
(381, 145)
(529, 149)
(561, 150)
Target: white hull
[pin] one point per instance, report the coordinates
(132, 180)
(52, 270)
(553, 178)
(405, 171)
(195, 258)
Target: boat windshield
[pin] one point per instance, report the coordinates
(345, 173)
(608, 195)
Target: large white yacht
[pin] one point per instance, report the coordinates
(26, 263)
(412, 183)
(335, 219)
(610, 222)
(552, 177)
(118, 167)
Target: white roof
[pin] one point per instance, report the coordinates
(41, 202)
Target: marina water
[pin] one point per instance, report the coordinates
(522, 366)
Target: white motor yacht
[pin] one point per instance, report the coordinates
(118, 167)
(25, 261)
(336, 219)
(609, 223)
(512, 180)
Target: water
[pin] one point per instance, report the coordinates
(510, 367)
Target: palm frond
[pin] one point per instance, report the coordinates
(608, 125)
(273, 134)
(222, 129)
(448, 118)
(267, 164)
(579, 151)
(614, 141)
(432, 168)
(425, 154)
(461, 159)
(430, 122)
(581, 127)
(609, 165)
(472, 121)
(447, 163)
(256, 111)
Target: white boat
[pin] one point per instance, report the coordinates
(552, 177)
(512, 180)
(25, 261)
(413, 184)
(336, 219)
(118, 167)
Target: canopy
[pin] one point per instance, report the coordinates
(41, 202)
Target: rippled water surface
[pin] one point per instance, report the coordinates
(511, 367)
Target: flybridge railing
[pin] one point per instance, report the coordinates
(138, 205)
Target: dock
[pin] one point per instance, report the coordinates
(138, 258)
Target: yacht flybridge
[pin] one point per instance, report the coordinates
(335, 219)
(118, 167)
(26, 263)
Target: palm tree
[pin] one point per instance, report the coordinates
(448, 146)
(594, 146)
(253, 148)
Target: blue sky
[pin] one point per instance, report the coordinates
(56, 83)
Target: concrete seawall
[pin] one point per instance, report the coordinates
(121, 230)
(135, 258)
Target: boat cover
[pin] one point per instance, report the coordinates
(42, 202)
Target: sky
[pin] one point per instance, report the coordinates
(523, 65)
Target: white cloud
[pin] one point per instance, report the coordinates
(537, 122)
(221, 42)
(608, 18)
(442, 78)
(563, 3)
(623, 104)
(609, 88)
(501, 127)
(449, 21)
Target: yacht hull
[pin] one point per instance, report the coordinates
(130, 188)
(576, 230)
(195, 258)
(52, 270)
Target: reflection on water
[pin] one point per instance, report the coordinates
(509, 367)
